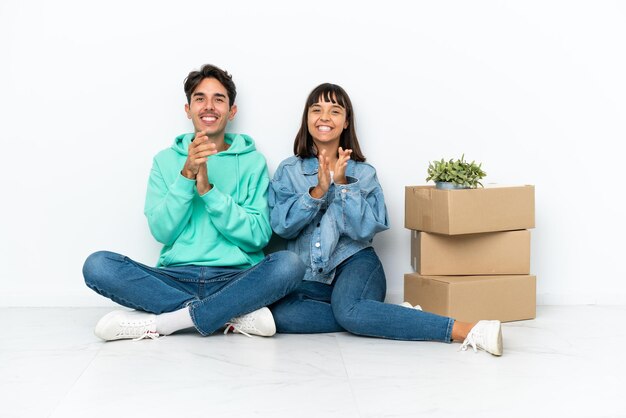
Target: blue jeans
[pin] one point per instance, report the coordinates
(354, 303)
(214, 295)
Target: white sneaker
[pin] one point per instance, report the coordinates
(259, 322)
(408, 305)
(118, 325)
(485, 335)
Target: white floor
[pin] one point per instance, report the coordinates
(569, 362)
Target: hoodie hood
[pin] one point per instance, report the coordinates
(239, 144)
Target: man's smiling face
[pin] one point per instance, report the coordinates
(208, 108)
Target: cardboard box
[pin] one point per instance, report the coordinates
(505, 252)
(469, 211)
(472, 298)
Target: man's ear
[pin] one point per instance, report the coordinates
(187, 110)
(232, 112)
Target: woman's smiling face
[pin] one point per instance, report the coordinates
(326, 121)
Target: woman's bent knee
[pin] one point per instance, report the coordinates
(346, 315)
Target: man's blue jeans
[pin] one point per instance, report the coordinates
(214, 295)
(354, 303)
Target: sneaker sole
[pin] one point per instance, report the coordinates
(498, 351)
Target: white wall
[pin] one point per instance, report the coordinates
(533, 89)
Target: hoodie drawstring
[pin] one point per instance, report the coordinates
(237, 155)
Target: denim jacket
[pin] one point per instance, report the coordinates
(324, 232)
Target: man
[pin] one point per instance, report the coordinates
(207, 204)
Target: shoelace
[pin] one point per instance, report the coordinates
(474, 339)
(148, 334)
(239, 325)
(237, 328)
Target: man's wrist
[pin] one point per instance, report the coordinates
(188, 174)
(204, 190)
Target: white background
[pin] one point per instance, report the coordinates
(89, 92)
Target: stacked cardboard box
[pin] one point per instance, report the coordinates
(470, 250)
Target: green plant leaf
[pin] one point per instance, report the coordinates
(456, 171)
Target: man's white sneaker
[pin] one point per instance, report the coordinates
(118, 325)
(408, 305)
(259, 322)
(485, 335)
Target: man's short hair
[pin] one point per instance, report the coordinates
(210, 71)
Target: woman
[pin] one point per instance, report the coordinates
(327, 203)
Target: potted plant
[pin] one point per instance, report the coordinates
(458, 174)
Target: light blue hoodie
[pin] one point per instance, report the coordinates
(227, 226)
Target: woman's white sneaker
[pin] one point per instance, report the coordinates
(408, 305)
(485, 335)
(118, 325)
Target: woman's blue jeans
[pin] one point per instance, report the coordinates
(214, 295)
(354, 303)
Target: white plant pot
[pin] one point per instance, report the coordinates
(445, 185)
